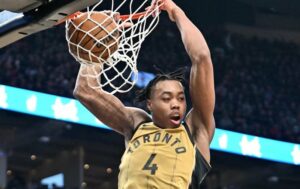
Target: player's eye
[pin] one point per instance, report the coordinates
(166, 99)
(182, 98)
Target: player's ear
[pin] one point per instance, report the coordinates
(149, 105)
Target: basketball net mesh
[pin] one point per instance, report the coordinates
(118, 72)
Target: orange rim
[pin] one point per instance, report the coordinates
(71, 16)
(122, 17)
(133, 16)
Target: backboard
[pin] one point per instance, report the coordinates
(19, 19)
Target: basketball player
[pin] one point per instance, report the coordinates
(167, 149)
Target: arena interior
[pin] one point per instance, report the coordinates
(255, 48)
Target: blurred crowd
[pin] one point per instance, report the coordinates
(257, 87)
(257, 90)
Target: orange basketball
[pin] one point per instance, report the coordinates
(96, 33)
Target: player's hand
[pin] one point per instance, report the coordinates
(117, 17)
(166, 5)
(154, 8)
(169, 6)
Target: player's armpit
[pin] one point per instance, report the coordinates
(198, 127)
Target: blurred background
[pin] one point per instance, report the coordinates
(255, 47)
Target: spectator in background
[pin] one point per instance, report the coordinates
(256, 79)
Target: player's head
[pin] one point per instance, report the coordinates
(165, 98)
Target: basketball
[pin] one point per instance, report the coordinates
(96, 33)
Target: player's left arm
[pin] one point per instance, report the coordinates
(202, 91)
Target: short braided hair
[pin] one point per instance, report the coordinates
(145, 93)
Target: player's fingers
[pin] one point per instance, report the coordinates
(116, 16)
(152, 9)
(125, 25)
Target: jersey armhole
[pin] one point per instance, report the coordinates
(188, 132)
(201, 170)
(202, 167)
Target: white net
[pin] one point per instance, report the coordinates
(111, 41)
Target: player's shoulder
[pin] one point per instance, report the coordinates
(138, 113)
(138, 116)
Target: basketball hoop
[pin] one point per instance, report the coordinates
(119, 71)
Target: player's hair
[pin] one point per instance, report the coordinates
(145, 93)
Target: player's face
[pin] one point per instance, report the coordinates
(167, 103)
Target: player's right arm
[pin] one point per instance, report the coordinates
(105, 106)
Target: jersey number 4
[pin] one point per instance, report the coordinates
(149, 166)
